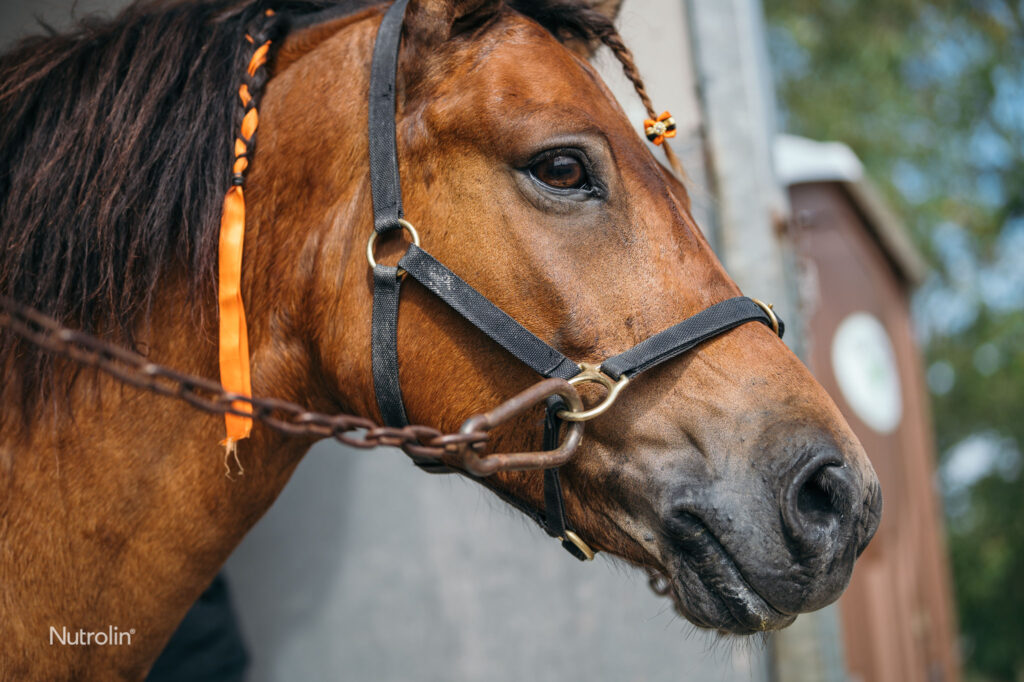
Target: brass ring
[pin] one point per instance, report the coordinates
(593, 374)
(372, 242)
(580, 545)
(767, 308)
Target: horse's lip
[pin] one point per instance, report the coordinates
(717, 573)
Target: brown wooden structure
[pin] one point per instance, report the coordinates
(856, 262)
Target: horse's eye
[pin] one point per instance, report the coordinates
(561, 171)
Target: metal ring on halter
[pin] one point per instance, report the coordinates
(580, 544)
(593, 374)
(372, 242)
(768, 309)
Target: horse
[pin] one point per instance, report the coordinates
(728, 471)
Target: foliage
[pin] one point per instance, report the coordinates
(931, 97)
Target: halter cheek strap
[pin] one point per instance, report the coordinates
(527, 347)
(386, 190)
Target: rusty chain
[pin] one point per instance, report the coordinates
(282, 416)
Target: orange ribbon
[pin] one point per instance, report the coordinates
(660, 128)
(234, 337)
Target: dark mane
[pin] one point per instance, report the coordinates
(115, 153)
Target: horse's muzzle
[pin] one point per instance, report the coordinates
(750, 554)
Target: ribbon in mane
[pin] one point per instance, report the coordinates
(234, 337)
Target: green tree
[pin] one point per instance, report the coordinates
(931, 97)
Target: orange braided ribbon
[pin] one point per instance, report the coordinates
(234, 336)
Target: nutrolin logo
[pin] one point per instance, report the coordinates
(109, 637)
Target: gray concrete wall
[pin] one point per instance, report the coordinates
(368, 569)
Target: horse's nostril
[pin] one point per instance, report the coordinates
(814, 499)
(816, 504)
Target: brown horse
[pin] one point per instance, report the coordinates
(728, 470)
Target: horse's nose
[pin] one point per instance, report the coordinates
(819, 504)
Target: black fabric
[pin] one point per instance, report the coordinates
(553, 520)
(554, 504)
(385, 185)
(485, 316)
(386, 189)
(207, 646)
(684, 336)
(387, 285)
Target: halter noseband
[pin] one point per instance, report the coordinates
(562, 401)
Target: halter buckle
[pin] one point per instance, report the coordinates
(577, 542)
(769, 310)
(590, 373)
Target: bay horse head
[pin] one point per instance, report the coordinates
(728, 471)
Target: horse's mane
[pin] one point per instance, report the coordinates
(115, 153)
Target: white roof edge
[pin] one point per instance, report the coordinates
(798, 159)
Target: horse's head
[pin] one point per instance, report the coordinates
(727, 470)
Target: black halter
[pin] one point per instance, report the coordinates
(484, 315)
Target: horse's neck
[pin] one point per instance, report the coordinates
(119, 512)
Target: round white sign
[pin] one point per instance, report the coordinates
(864, 363)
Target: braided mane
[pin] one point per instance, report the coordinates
(116, 151)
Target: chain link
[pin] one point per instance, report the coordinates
(208, 396)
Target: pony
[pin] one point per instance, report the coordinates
(729, 472)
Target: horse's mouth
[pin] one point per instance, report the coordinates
(709, 589)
